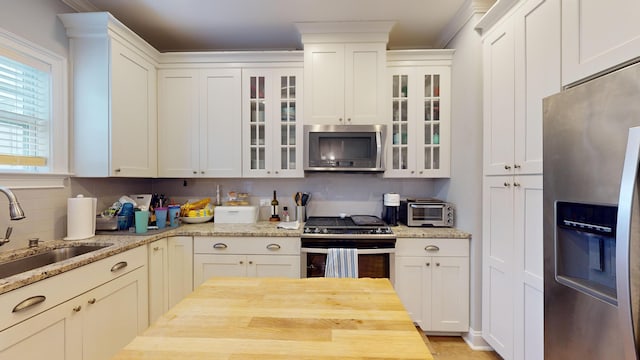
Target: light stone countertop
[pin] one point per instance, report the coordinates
(123, 242)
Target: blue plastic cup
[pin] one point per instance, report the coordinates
(161, 217)
(174, 215)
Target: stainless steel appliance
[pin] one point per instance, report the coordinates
(592, 219)
(344, 148)
(369, 234)
(426, 212)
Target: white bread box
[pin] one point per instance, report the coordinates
(235, 214)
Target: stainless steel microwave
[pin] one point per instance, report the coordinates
(344, 147)
(428, 212)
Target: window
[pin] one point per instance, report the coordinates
(25, 116)
(33, 110)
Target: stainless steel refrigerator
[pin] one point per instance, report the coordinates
(592, 219)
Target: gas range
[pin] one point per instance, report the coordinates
(356, 227)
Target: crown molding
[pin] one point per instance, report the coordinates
(464, 14)
(81, 5)
(497, 11)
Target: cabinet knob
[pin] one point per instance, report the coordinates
(268, 172)
(516, 184)
(437, 264)
(77, 308)
(516, 166)
(250, 262)
(413, 172)
(420, 172)
(156, 248)
(241, 262)
(348, 120)
(340, 119)
(117, 170)
(194, 172)
(428, 264)
(506, 184)
(277, 172)
(202, 172)
(92, 301)
(507, 167)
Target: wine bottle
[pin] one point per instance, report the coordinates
(274, 208)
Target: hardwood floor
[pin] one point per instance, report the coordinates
(454, 348)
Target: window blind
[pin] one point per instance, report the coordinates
(25, 115)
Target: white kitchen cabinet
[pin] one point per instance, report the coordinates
(76, 318)
(345, 83)
(598, 35)
(432, 280)
(512, 294)
(199, 127)
(170, 273)
(272, 122)
(114, 86)
(521, 47)
(516, 52)
(419, 141)
(254, 256)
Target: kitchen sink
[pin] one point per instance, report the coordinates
(47, 257)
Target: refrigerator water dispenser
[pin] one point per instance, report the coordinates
(585, 248)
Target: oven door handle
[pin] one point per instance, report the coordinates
(360, 251)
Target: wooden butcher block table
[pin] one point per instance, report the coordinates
(268, 318)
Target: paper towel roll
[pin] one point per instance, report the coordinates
(391, 199)
(81, 217)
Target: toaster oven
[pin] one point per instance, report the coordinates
(426, 212)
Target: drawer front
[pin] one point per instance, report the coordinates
(432, 247)
(52, 291)
(247, 245)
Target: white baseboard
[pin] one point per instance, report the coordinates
(475, 341)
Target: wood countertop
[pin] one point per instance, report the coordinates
(269, 318)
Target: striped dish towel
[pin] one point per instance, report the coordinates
(341, 263)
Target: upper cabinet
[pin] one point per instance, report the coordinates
(419, 106)
(344, 70)
(199, 123)
(598, 35)
(114, 86)
(515, 53)
(271, 122)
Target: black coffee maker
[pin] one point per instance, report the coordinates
(390, 208)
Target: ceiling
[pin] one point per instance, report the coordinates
(209, 25)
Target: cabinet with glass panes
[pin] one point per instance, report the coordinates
(419, 145)
(272, 131)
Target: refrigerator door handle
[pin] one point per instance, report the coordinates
(623, 241)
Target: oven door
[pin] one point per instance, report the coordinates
(372, 263)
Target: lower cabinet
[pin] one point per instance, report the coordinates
(93, 325)
(432, 280)
(254, 257)
(170, 273)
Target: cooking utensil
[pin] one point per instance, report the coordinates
(305, 198)
(297, 198)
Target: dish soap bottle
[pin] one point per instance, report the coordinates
(274, 208)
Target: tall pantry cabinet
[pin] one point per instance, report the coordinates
(521, 59)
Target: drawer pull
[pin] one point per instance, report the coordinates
(220, 246)
(29, 302)
(431, 248)
(273, 247)
(156, 248)
(92, 301)
(118, 266)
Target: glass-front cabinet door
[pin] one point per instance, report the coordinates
(272, 131)
(420, 122)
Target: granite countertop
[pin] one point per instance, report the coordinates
(120, 242)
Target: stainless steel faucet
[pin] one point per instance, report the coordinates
(15, 211)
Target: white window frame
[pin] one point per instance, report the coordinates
(59, 135)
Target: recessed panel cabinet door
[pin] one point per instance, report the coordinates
(597, 35)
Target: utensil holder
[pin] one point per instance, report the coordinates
(301, 213)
